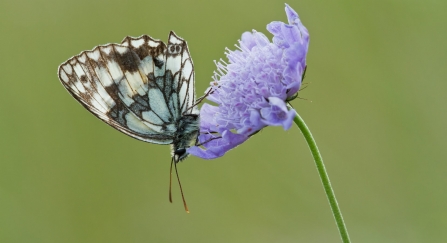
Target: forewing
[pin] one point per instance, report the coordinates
(179, 64)
(113, 83)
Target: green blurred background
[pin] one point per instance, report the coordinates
(375, 103)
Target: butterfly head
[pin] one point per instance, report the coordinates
(180, 154)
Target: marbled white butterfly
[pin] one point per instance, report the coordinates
(141, 87)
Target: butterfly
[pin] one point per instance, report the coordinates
(142, 87)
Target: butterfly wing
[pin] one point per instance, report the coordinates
(180, 64)
(132, 86)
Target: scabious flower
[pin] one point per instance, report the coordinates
(252, 89)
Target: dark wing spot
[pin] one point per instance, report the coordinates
(129, 60)
(102, 64)
(142, 99)
(83, 79)
(172, 48)
(118, 113)
(141, 104)
(112, 90)
(158, 63)
(142, 52)
(158, 50)
(151, 79)
(177, 48)
(137, 108)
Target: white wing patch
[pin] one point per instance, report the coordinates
(140, 87)
(158, 104)
(180, 63)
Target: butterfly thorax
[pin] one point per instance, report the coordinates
(185, 136)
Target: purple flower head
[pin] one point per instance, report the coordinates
(251, 90)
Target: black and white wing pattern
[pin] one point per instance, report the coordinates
(140, 87)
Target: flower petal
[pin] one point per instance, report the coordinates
(291, 14)
(219, 146)
(277, 114)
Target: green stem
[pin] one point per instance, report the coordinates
(323, 176)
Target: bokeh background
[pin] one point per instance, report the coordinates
(375, 102)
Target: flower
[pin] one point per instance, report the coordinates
(252, 89)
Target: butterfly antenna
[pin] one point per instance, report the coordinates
(181, 190)
(200, 99)
(170, 181)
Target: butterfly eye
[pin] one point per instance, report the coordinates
(180, 152)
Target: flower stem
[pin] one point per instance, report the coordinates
(323, 176)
